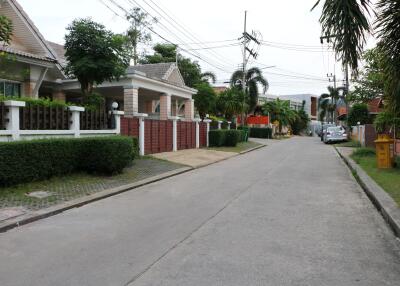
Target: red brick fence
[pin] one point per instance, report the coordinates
(159, 135)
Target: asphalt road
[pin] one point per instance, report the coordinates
(287, 214)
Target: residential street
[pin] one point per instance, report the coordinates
(287, 214)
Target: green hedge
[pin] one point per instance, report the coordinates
(26, 161)
(261, 133)
(135, 147)
(223, 137)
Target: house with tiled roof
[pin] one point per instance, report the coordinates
(36, 70)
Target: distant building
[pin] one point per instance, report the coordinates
(219, 89)
(311, 103)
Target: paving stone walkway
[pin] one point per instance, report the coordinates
(63, 189)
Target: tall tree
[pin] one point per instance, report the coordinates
(231, 102)
(388, 26)
(6, 28)
(205, 99)
(137, 33)
(328, 101)
(280, 111)
(96, 58)
(253, 79)
(190, 70)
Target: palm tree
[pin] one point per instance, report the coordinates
(209, 76)
(231, 102)
(328, 102)
(280, 111)
(253, 78)
(346, 24)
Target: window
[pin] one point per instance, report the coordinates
(9, 88)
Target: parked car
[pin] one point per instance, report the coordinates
(335, 134)
(323, 130)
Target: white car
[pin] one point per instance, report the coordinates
(335, 134)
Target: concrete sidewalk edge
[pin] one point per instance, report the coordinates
(57, 209)
(381, 200)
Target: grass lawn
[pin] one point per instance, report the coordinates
(239, 148)
(389, 180)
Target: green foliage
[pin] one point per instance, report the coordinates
(228, 138)
(328, 103)
(94, 101)
(371, 80)
(217, 138)
(231, 102)
(301, 121)
(253, 79)
(205, 99)
(137, 32)
(364, 152)
(135, 147)
(265, 133)
(6, 29)
(36, 102)
(347, 24)
(385, 121)
(26, 161)
(280, 111)
(190, 70)
(94, 54)
(358, 113)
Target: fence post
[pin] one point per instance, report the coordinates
(208, 121)
(197, 120)
(75, 124)
(229, 125)
(141, 117)
(117, 118)
(174, 132)
(13, 117)
(219, 124)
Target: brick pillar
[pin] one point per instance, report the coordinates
(59, 95)
(165, 106)
(189, 109)
(131, 100)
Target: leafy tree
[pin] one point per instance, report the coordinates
(346, 22)
(190, 70)
(280, 111)
(94, 54)
(301, 120)
(371, 80)
(358, 113)
(209, 76)
(6, 29)
(232, 102)
(253, 79)
(137, 33)
(205, 99)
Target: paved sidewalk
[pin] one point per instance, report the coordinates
(195, 157)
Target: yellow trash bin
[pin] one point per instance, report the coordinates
(385, 151)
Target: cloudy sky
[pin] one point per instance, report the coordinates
(209, 30)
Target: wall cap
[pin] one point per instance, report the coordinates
(76, 108)
(174, 118)
(137, 114)
(15, 103)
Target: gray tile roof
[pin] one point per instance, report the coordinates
(10, 50)
(59, 50)
(157, 71)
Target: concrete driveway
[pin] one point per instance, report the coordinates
(289, 214)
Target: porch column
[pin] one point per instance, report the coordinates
(131, 100)
(165, 106)
(59, 95)
(141, 117)
(197, 120)
(189, 109)
(208, 121)
(174, 132)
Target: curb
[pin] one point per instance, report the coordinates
(380, 199)
(51, 211)
(54, 210)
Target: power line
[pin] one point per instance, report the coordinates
(216, 47)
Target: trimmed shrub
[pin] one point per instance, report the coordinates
(261, 133)
(217, 138)
(135, 153)
(26, 161)
(232, 137)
